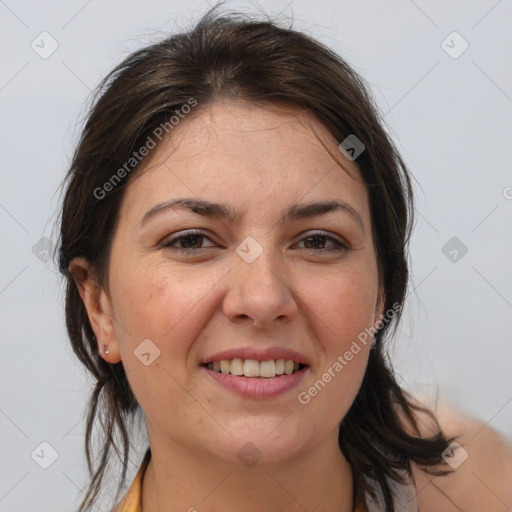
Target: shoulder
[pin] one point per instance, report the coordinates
(481, 464)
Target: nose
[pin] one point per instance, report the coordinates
(260, 293)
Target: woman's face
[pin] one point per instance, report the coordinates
(259, 281)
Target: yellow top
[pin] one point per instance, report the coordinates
(132, 501)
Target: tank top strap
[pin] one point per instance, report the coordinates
(405, 497)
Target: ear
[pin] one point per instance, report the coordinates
(98, 308)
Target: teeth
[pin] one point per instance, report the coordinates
(225, 367)
(267, 369)
(253, 368)
(237, 367)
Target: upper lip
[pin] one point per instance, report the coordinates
(259, 354)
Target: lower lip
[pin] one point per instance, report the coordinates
(256, 387)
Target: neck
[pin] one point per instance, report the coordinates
(318, 480)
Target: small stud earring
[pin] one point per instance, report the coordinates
(105, 349)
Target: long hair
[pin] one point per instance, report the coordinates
(234, 56)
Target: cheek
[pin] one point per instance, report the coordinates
(349, 312)
(344, 305)
(164, 305)
(153, 303)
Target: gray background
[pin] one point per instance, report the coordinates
(451, 118)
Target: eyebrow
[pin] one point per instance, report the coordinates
(224, 211)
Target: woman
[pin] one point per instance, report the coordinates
(234, 238)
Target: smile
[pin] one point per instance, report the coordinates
(256, 379)
(254, 368)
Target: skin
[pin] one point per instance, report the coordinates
(483, 481)
(298, 294)
(306, 297)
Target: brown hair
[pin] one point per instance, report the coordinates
(232, 56)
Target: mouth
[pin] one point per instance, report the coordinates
(254, 369)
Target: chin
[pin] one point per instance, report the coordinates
(258, 444)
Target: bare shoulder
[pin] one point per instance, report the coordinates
(481, 464)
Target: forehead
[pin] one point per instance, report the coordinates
(240, 152)
(265, 132)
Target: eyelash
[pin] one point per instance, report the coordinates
(339, 247)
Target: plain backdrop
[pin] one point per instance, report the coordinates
(448, 108)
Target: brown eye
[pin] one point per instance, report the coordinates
(188, 242)
(317, 241)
